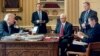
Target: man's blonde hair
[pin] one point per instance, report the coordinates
(7, 16)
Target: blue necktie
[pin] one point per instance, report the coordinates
(40, 15)
(85, 16)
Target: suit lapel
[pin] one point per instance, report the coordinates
(5, 26)
(59, 27)
(42, 14)
(37, 15)
(65, 26)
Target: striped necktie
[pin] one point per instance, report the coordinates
(61, 31)
(86, 16)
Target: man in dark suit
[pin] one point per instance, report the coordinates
(64, 30)
(40, 19)
(6, 26)
(83, 20)
(91, 34)
(92, 31)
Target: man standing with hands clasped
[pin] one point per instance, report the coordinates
(83, 20)
(40, 19)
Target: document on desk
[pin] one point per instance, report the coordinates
(34, 30)
(79, 43)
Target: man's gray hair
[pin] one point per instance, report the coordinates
(62, 15)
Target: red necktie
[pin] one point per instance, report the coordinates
(61, 31)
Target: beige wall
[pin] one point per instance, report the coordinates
(71, 9)
(94, 5)
(28, 8)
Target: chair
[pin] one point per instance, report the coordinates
(93, 47)
(49, 29)
(75, 30)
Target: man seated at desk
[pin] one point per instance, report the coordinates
(64, 30)
(91, 34)
(7, 25)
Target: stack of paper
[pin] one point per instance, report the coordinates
(79, 43)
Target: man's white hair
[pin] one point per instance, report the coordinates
(7, 16)
(62, 15)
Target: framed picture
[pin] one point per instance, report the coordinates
(12, 5)
(42, 0)
(60, 0)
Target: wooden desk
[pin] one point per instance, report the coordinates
(22, 48)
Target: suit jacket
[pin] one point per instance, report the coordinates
(4, 29)
(91, 13)
(93, 34)
(67, 30)
(42, 26)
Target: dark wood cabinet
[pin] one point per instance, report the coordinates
(21, 48)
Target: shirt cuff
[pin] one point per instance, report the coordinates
(37, 21)
(82, 37)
